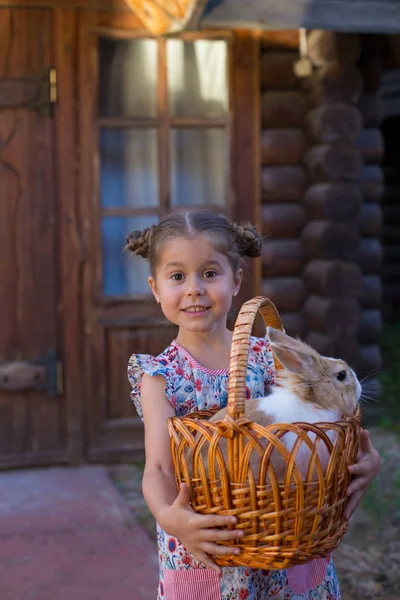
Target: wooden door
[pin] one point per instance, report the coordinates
(156, 123)
(32, 420)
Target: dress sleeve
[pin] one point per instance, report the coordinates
(144, 363)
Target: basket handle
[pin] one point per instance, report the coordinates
(240, 349)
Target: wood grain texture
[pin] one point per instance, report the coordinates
(294, 324)
(332, 122)
(283, 183)
(331, 240)
(282, 257)
(245, 149)
(339, 161)
(333, 83)
(277, 72)
(282, 146)
(282, 220)
(335, 317)
(286, 292)
(333, 278)
(339, 201)
(32, 424)
(346, 348)
(283, 109)
(70, 229)
(327, 46)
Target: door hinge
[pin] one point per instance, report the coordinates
(43, 374)
(53, 87)
(35, 92)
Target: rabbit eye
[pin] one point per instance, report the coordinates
(341, 375)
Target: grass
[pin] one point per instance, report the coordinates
(378, 504)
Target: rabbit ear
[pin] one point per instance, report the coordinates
(294, 360)
(276, 336)
(292, 354)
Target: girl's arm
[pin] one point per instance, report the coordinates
(364, 471)
(198, 533)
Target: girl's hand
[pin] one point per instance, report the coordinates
(199, 533)
(364, 470)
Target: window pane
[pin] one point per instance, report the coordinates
(128, 167)
(127, 78)
(124, 273)
(199, 165)
(197, 78)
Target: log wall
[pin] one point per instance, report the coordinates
(321, 187)
(333, 200)
(370, 253)
(391, 199)
(283, 184)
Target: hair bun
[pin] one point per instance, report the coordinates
(139, 242)
(247, 239)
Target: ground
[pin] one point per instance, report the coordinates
(368, 559)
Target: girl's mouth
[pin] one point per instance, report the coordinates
(196, 310)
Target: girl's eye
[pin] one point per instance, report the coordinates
(209, 274)
(341, 376)
(177, 276)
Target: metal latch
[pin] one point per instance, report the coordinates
(44, 375)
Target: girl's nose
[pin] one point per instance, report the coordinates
(195, 288)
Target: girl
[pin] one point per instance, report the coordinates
(195, 263)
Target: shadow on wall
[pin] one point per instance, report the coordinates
(391, 199)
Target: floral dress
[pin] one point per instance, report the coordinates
(190, 387)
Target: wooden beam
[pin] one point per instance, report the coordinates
(285, 38)
(245, 158)
(72, 249)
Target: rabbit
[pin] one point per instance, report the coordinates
(310, 388)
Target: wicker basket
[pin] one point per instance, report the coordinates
(286, 522)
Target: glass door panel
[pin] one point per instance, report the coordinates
(124, 273)
(128, 168)
(199, 165)
(128, 77)
(197, 78)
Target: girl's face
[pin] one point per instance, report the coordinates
(195, 284)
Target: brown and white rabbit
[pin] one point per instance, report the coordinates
(310, 389)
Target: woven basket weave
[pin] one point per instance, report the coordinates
(286, 522)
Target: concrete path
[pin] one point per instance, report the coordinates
(67, 534)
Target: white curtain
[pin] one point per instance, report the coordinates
(199, 157)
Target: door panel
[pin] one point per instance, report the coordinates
(118, 432)
(32, 424)
(156, 145)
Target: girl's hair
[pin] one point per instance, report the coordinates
(232, 240)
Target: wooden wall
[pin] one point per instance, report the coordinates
(321, 184)
(391, 196)
(370, 254)
(283, 183)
